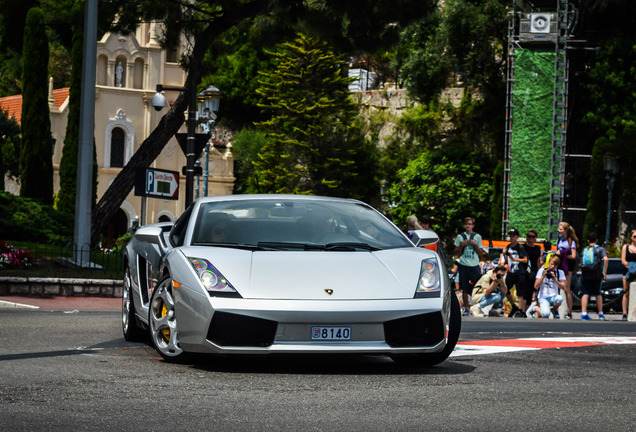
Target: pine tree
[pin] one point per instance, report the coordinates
(315, 142)
(65, 199)
(36, 155)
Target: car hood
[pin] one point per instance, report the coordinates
(309, 275)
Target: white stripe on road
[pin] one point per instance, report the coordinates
(495, 346)
(11, 305)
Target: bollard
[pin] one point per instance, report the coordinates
(631, 306)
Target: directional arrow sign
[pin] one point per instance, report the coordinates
(157, 183)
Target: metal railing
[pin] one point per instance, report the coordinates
(69, 260)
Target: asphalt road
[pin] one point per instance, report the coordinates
(70, 369)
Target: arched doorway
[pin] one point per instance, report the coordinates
(116, 227)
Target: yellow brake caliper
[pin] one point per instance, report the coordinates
(166, 331)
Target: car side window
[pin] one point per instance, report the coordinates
(177, 234)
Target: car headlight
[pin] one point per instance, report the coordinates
(211, 279)
(429, 283)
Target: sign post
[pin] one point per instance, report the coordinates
(155, 183)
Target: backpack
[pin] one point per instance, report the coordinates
(472, 236)
(590, 261)
(484, 254)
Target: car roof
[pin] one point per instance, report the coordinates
(274, 197)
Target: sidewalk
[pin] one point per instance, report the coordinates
(63, 303)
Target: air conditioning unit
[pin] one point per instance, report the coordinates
(538, 27)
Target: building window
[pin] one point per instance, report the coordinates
(117, 141)
(172, 54)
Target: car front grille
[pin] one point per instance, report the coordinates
(416, 330)
(228, 329)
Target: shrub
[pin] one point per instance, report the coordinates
(26, 219)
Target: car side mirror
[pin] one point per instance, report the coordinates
(421, 238)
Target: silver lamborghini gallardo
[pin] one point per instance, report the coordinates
(259, 274)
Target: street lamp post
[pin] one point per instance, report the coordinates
(159, 102)
(209, 100)
(610, 166)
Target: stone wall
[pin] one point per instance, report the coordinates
(60, 287)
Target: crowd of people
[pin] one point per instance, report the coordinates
(541, 275)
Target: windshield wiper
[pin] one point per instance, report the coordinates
(349, 246)
(290, 245)
(245, 246)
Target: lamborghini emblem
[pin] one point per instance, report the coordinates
(329, 291)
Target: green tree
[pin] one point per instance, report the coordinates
(36, 155)
(612, 89)
(246, 146)
(65, 198)
(315, 140)
(464, 37)
(446, 185)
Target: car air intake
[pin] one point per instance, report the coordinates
(415, 331)
(228, 329)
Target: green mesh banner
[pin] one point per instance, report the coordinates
(531, 141)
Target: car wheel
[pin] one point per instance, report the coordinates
(163, 323)
(132, 332)
(427, 360)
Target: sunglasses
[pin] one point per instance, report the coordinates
(531, 236)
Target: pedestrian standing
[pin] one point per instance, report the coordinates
(468, 248)
(534, 254)
(426, 223)
(534, 261)
(515, 255)
(628, 259)
(594, 263)
(566, 251)
(412, 224)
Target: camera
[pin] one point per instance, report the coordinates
(549, 274)
(499, 276)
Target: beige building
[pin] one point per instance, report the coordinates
(128, 70)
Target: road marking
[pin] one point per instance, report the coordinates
(496, 346)
(11, 305)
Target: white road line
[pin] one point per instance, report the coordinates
(11, 305)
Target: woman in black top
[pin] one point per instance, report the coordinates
(628, 255)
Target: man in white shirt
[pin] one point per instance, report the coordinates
(549, 282)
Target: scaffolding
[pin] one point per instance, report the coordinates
(535, 25)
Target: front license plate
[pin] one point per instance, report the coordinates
(331, 333)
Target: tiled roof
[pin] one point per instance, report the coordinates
(13, 104)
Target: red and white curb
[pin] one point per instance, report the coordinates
(495, 346)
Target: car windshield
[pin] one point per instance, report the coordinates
(295, 224)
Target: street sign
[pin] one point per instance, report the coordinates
(157, 183)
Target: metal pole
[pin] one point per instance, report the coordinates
(83, 199)
(142, 220)
(610, 189)
(198, 180)
(206, 156)
(190, 146)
